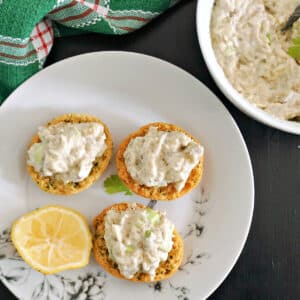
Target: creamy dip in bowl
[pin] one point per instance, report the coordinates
(247, 54)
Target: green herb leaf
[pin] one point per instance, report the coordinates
(114, 184)
(296, 41)
(294, 51)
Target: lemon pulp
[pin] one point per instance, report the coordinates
(52, 239)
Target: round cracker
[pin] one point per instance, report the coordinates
(52, 185)
(165, 269)
(168, 192)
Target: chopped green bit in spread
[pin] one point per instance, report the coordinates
(147, 233)
(162, 248)
(114, 185)
(269, 38)
(153, 216)
(139, 223)
(39, 152)
(294, 50)
(129, 249)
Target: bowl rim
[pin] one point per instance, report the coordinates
(203, 13)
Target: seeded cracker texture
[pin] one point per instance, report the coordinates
(52, 185)
(168, 192)
(165, 269)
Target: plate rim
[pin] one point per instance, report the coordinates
(195, 79)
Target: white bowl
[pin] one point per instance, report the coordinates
(204, 10)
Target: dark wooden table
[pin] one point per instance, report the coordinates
(269, 267)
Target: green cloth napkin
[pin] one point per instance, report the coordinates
(28, 28)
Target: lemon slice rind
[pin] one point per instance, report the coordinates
(22, 234)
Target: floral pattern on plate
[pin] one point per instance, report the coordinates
(90, 285)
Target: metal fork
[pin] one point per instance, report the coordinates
(292, 19)
(152, 203)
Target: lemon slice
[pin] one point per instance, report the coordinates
(52, 239)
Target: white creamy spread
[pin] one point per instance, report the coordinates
(138, 239)
(67, 150)
(162, 157)
(253, 52)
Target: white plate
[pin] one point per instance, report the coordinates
(126, 91)
(204, 10)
